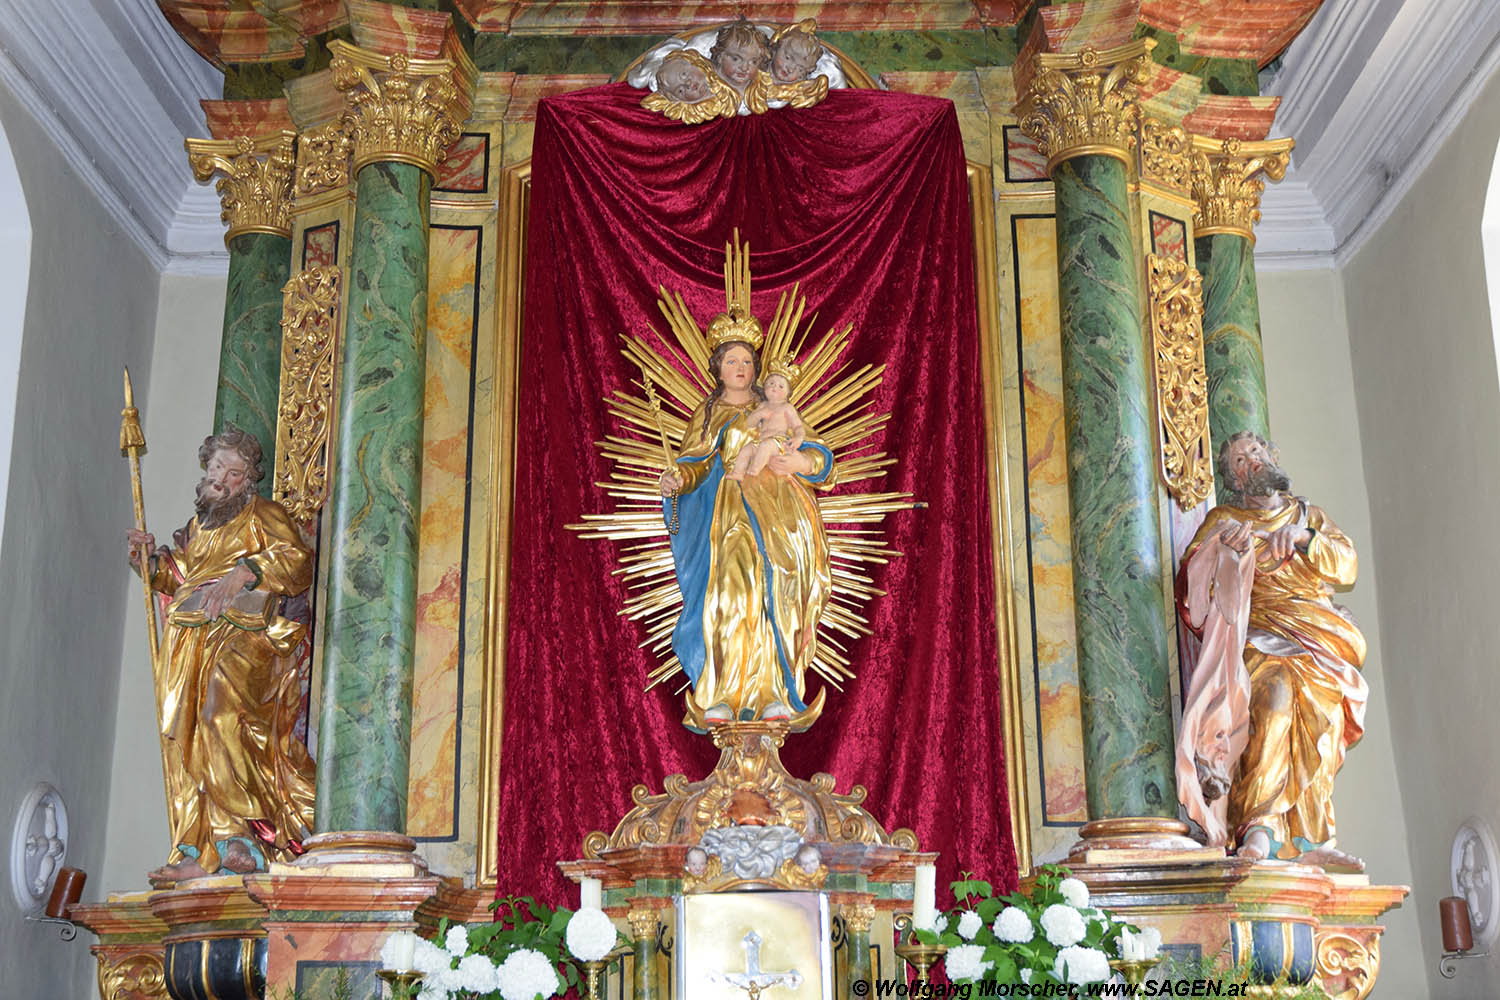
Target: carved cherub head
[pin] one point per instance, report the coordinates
(682, 79)
(794, 55)
(739, 52)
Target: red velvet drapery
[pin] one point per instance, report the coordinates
(864, 199)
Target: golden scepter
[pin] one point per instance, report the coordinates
(661, 428)
(132, 443)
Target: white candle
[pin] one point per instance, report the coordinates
(590, 894)
(924, 896)
(402, 949)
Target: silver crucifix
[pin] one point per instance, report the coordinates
(753, 981)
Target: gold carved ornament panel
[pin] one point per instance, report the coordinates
(309, 379)
(1348, 965)
(1176, 292)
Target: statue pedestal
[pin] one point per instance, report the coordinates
(335, 907)
(129, 949)
(1277, 918)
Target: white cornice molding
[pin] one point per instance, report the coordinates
(87, 88)
(1406, 94)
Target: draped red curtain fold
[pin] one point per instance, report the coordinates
(864, 200)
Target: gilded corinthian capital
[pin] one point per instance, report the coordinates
(1227, 185)
(255, 190)
(1083, 103)
(399, 108)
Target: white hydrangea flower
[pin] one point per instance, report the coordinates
(1081, 966)
(969, 924)
(457, 941)
(1026, 976)
(478, 974)
(1150, 943)
(429, 959)
(964, 962)
(1074, 892)
(444, 981)
(591, 934)
(526, 975)
(1063, 925)
(1014, 926)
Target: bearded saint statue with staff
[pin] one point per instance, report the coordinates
(745, 584)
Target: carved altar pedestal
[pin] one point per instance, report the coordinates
(1280, 919)
(675, 843)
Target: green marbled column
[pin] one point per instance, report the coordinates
(1117, 554)
(858, 943)
(1232, 356)
(250, 353)
(645, 984)
(369, 634)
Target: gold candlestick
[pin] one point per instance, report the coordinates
(400, 982)
(593, 971)
(1134, 970)
(919, 956)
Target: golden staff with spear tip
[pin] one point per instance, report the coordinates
(132, 443)
(655, 406)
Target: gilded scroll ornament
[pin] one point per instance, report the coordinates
(748, 787)
(1347, 966)
(132, 977)
(1164, 152)
(1227, 182)
(737, 68)
(323, 159)
(309, 379)
(1181, 382)
(399, 108)
(1084, 103)
(256, 186)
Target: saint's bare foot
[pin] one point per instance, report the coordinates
(1331, 858)
(180, 872)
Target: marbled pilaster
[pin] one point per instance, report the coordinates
(250, 353)
(1117, 553)
(370, 630)
(1232, 356)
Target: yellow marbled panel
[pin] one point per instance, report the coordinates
(432, 798)
(1060, 740)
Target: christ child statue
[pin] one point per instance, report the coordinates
(739, 52)
(794, 54)
(777, 425)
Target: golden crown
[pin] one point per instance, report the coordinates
(735, 324)
(786, 368)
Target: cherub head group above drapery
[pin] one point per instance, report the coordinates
(737, 68)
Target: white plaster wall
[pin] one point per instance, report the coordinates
(90, 309)
(1423, 350)
(184, 375)
(1312, 399)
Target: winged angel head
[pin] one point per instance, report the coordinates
(747, 572)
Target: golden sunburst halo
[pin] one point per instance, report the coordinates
(832, 394)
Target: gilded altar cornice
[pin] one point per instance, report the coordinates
(256, 187)
(1084, 103)
(1227, 182)
(399, 108)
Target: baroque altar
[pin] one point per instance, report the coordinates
(479, 265)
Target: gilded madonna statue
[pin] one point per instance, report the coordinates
(753, 572)
(751, 553)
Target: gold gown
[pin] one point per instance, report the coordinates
(752, 564)
(1307, 695)
(227, 695)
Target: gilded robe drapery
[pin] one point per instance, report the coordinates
(226, 689)
(752, 565)
(1302, 655)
